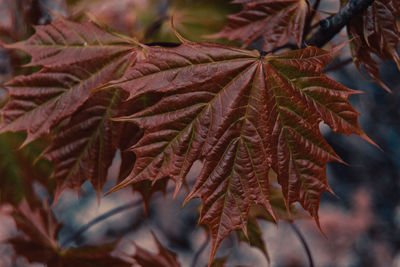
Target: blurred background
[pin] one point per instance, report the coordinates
(361, 223)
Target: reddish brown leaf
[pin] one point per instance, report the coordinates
(18, 16)
(377, 32)
(242, 114)
(77, 58)
(164, 258)
(92, 256)
(275, 21)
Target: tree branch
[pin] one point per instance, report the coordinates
(110, 213)
(100, 218)
(304, 243)
(331, 26)
(201, 249)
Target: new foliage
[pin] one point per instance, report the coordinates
(243, 113)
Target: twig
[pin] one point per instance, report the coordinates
(331, 26)
(84, 228)
(303, 242)
(200, 250)
(100, 218)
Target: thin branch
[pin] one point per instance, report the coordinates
(100, 218)
(331, 26)
(116, 210)
(303, 242)
(200, 250)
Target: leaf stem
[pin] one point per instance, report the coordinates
(303, 242)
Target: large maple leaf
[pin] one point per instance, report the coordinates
(76, 58)
(377, 32)
(242, 113)
(275, 21)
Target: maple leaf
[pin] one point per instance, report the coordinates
(76, 59)
(242, 113)
(164, 258)
(40, 242)
(377, 32)
(275, 21)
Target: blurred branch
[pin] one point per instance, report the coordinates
(200, 250)
(102, 217)
(329, 27)
(303, 242)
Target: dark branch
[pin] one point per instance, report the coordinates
(303, 242)
(110, 213)
(331, 26)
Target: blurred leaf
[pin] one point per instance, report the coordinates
(254, 236)
(189, 19)
(275, 21)
(39, 243)
(164, 258)
(376, 32)
(220, 262)
(17, 172)
(125, 16)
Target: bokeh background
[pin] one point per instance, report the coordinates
(361, 223)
